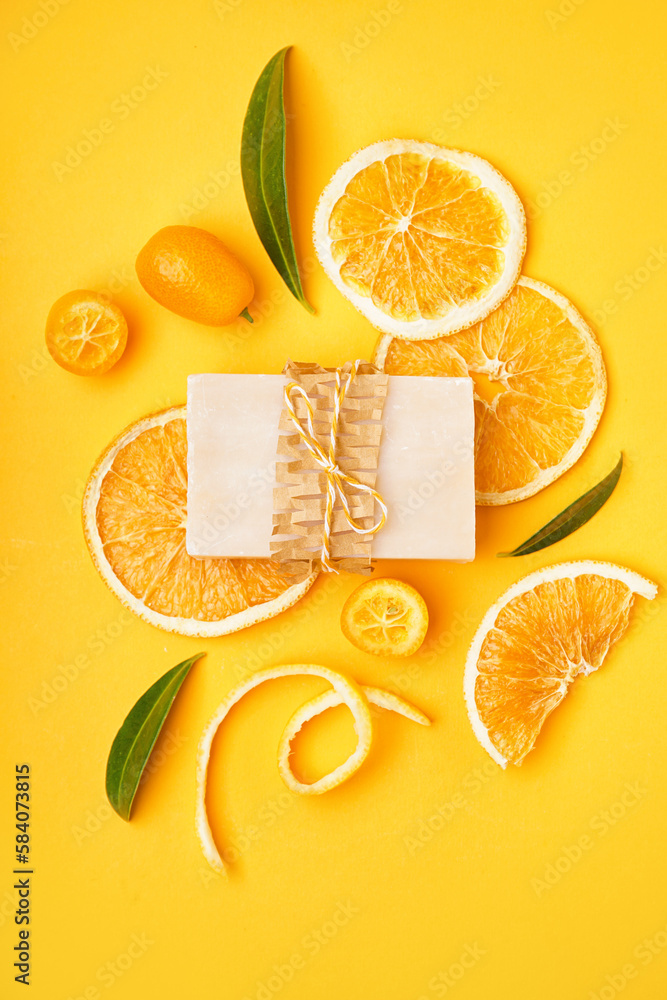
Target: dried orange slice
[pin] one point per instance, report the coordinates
(85, 333)
(547, 629)
(385, 617)
(540, 387)
(342, 692)
(134, 511)
(423, 240)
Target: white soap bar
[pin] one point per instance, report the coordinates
(425, 469)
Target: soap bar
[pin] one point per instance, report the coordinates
(425, 469)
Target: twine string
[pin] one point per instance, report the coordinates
(338, 481)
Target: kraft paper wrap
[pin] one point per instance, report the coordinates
(299, 498)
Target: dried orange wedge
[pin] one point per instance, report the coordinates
(134, 511)
(341, 692)
(540, 387)
(547, 629)
(423, 240)
(385, 617)
(85, 333)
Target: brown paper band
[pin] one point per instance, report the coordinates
(303, 491)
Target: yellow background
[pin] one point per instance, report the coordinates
(552, 82)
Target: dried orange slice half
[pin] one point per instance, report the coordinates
(86, 334)
(134, 510)
(540, 387)
(423, 240)
(385, 617)
(546, 630)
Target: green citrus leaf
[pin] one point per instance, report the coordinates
(136, 738)
(263, 172)
(572, 517)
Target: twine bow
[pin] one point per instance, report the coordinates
(338, 482)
